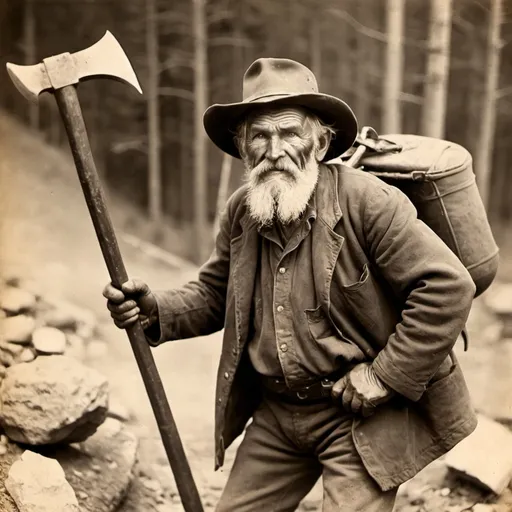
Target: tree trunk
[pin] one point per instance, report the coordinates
(315, 44)
(200, 148)
(436, 86)
(392, 111)
(29, 29)
(362, 103)
(153, 113)
(484, 150)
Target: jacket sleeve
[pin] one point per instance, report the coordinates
(197, 308)
(437, 289)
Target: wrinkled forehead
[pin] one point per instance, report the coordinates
(277, 116)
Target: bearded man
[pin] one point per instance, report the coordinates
(339, 307)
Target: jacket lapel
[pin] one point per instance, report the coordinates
(324, 237)
(245, 253)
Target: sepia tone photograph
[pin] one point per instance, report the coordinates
(255, 256)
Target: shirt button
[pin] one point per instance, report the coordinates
(226, 375)
(282, 270)
(220, 400)
(283, 347)
(279, 309)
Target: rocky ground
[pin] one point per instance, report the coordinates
(53, 252)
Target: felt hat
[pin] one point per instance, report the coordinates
(269, 82)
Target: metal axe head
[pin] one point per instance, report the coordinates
(106, 58)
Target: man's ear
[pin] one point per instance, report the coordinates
(324, 142)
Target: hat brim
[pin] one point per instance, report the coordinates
(221, 121)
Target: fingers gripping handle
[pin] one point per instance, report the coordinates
(70, 110)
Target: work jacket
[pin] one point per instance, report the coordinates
(383, 281)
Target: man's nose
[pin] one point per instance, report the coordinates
(275, 148)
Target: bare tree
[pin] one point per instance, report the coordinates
(200, 148)
(484, 150)
(153, 113)
(392, 111)
(436, 82)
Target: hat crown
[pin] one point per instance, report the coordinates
(276, 77)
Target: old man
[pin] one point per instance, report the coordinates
(339, 307)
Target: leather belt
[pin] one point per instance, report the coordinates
(317, 391)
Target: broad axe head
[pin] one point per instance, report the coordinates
(105, 58)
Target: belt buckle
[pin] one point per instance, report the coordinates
(327, 383)
(302, 395)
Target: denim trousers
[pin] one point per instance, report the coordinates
(287, 448)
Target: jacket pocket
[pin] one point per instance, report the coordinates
(361, 282)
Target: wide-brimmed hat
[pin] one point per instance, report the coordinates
(281, 82)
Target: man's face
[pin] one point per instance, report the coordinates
(280, 155)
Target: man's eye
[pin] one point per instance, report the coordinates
(258, 136)
(292, 135)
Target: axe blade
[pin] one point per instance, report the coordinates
(106, 58)
(31, 81)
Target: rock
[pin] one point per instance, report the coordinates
(96, 349)
(60, 319)
(68, 312)
(3, 370)
(499, 299)
(26, 356)
(14, 349)
(52, 399)
(481, 507)
(485, 456)
(38, 484)
(17, 329)
(3, 449)
(87, 468)
(14, 300)
(14, 452)
(2, 314)
(6, 358)
(49, 340)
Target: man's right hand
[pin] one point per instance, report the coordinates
(133, 302)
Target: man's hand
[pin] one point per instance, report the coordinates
(133, 302)
(361, 391)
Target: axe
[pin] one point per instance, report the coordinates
(60, 75)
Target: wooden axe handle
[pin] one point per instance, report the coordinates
(71, 112)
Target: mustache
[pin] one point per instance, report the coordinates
(266, 166)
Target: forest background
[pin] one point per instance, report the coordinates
(441, 68)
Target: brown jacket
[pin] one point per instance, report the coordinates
(405, 298)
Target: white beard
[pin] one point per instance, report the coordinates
(281, 195)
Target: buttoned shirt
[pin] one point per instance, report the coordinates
(292, 338)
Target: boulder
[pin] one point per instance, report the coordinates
(100, 469)
(12, 454)
(49, 340)
(485, 456)
(17, 329)
(14, 300)
(499, 299)
(38, 484)
(53, 399)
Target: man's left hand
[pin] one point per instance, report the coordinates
(361, 391)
